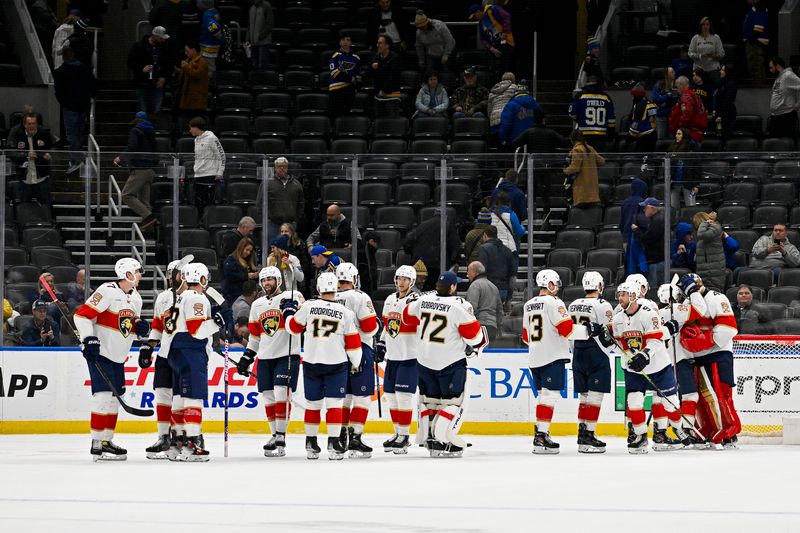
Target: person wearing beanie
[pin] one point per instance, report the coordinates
(422, 276)
(288, 264)
(434, 42)
(139, 160)
(473, 240)
(591, 63)
(521, 113)
(81, 43)
(642, 130)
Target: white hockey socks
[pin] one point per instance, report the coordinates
(192, 416)
(283, 409)
(544, 409)
(269, 407)
(103, 419)
(636, 412)
(359, 413)
(589, 409)
(404, 411)
(333, 416)
(391, 399)
(163, 409)
(689, 407)
(176, 422)
(312, 417)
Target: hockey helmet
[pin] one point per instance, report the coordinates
(547, 276)
(664, 294)
(172, 265)
(125, 266)
(270, 272)
(631, 289)
(592, 281)
(638, 281)
(406, 271)
(195, 272)
(347, 272)
(327, 282)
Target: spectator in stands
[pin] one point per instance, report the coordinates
(642, 130)
(324, 261)
(42, 330)
(755, 35)
(469, 100)
(151, 64)
(494, 26)
(688, 112)
(706, 50)
(541, 140)
(259, 33)
(510, 185)
(709, 255)
(745, 311)
(581, 173)
(138, 157)
(287, 201)
(730, 246)
(509, 228)
(169, 15)
(484, 297)
(386, 68)
(61, 35)
(297, 247)
(76, 291)
(209, 164)
(230, 239)
(521, 113)
(9, 316)
(241, 306)
(631, 213)
(289, 265)
(75, 86)
(241, 332)
(684, 170)
(432, 99)
(345, 71)
(499, 95)
(593, 113)
(93, 9)
(652, 240)
(664, 96)
(682, 65)
(703, 89)
(500, 262)
(238, 267)
(81, 43)
(210, 34)
(784, 101)
(724, 108)
(591, 63)
(434, 43)
(774, 252)
(422, 276)
(474, 238)
(193, 82)
(424, 243)
(683, 247)
(394, 23)
(333, 232)
(29, 146)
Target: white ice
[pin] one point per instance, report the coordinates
(50, 484)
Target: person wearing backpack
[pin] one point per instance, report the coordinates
(689, 112)
(138, 157)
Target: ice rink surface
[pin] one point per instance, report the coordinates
(49, 483)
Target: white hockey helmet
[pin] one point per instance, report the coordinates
(347, 272)
(172, 264)
(631, 289)
(125, 266)
(406, 271)
(592, 281)
(327, 282)
(639, 281)
(547, 276)
(270, 272)
(195, 272)
(664, 294)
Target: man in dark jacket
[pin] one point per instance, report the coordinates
(423, 243)
(386, 68)
(169, 14)
(230, 239)
(139, 159)
(333, 232)
(75, 86)
(652, 239)
(30, 145)
(509, 185)
(151, 65)
(540, 140)
(287, 202)
(43, 330)
(388, 18)
(499, 263)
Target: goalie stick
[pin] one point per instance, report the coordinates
(127, 408)
(218, 299)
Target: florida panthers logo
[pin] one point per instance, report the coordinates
(393, 326)
(270, 321)
(126, 320)
(633, 339)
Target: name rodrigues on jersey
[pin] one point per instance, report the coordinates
(435, 306)
(333, 313)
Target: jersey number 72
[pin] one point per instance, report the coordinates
(434, 335)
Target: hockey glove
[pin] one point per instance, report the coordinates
(142, 327)
(243, 367)
(215, 308)
(380, 351)
(673, 327)
(145, 355)
(687, 284)
(605, 337)
(288, 308)
(593, 329)
(639, 361)
(91, 349)
(219, 320)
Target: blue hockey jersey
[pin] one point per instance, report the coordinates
(593, 111)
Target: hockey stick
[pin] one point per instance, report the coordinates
(218, 299)
(289, 366)
(225, 423)
(127, 408)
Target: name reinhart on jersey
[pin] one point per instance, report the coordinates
(534, 306)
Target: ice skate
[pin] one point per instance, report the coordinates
(637, 444)
(312, 448)
(693, 441)
(176, 442)
(194, 450)
(451, 450)
(543, 444)
(335, 449)
(357, 449)
(731, 443)
(587, 442)
(159, 449)
(343, 436)
(105, 450)
(276, 447)
(401, 445)
(664, 443)
(435, 448)
(388, 445)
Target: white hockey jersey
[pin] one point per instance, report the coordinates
(597, 310)
(683, 313)
(445, 325)
(720, 320)
(110, 315)
(642, 301)
(400, 338)
(546, 326)
(641, 330)
(361, 306)
(268, 335)
(161, 317)
(330, 334)
(194, 318)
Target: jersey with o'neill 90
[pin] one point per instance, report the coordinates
(447, 325)
(361, 306)
(330, 334)
(268, 335)
(545, 328)
(400, 337)
(586, 310)
(638, 331)
(110, 314)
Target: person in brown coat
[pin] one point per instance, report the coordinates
(193, 79)
(582, 171)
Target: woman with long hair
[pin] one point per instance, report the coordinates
(725, 102)
(238, 268)
(684, 169)
(706, 51)
(664, 96)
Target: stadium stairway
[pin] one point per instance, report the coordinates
(115, 108)
(555, 96)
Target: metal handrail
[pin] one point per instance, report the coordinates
(42, 63)
(93, 148)
(136, 235)
(114, 207)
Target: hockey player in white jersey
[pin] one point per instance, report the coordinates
(646, 363)
(448, 333)
(398, 345)
(710, 339)
(188, 358)
(106, 324)
(642, 285)
(278, 358)
(546, 327)
(361, 386)
(591, 369)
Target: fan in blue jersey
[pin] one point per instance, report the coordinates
(593, 112)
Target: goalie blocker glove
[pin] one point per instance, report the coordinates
(243, 366)
(145, 355)
(639, 360)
